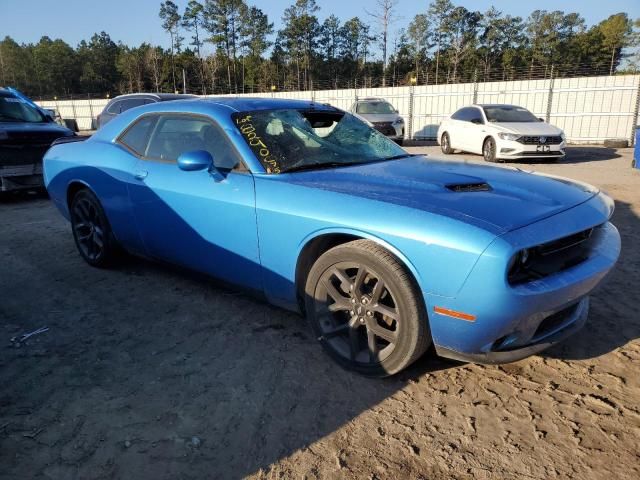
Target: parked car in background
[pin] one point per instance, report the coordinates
(500, 132)
(26, 133)
(382, 115)
(122, 103)
(385, 252)
(70, 123)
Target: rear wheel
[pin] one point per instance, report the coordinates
(91, 230)
(365, 309)
(445, 144)
(489, 150)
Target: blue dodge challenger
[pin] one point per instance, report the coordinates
(384, 252)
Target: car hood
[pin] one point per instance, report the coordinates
(528, 128)
(24, 132)
(512, 198)
(379, 117)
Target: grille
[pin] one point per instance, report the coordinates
(541, 154)
(535, 140)
(11, 155)
(552, 322)
(385, 128)
(552, 257)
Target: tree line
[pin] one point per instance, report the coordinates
(229, 46)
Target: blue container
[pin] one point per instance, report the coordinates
(636, 151)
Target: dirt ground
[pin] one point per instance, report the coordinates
(151, 372)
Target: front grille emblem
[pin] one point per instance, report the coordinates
(543, 139)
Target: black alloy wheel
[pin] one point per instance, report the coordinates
(91, 230)
(365, 309)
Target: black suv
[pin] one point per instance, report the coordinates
(26, 133)
(123, 103)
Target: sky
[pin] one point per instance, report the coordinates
(136, 21)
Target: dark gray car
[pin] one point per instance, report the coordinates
(122, 103)
(384, 117)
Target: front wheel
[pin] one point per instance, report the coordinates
(366, 310)
(445, 144)
(91, 230)
(489, 150)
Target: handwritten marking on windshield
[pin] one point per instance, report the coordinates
(249, 133)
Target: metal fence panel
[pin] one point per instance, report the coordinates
(588, 109)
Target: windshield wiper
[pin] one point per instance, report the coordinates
(404, 155)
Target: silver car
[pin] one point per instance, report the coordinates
(382, 115)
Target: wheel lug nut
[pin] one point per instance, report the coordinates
(351, 312)
(353, 300)
(361, 320)
(369, 314)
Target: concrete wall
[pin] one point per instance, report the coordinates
(588, 109)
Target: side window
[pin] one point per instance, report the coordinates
(475, 116)
(114, 108)
(460, 114)
(176, 134)
(468, 114)
(136, 137)
(131, 103)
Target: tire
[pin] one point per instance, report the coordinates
(91, 230)
(374, 328)
(445, 144)
(489, 150)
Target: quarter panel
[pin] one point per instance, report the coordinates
(104, 168)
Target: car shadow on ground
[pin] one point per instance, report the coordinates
(581, 154)
(613, 319)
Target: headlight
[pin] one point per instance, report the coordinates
(398, 121)
(512, 137)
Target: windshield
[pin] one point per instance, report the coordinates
(287, 140)
(375, 108)
(509, 114)
(14, 109)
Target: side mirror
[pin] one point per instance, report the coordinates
(195, 160)
(540, 119)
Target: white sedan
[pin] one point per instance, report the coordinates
(499, 133)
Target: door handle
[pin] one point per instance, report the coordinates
(141, 174)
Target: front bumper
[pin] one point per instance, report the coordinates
(20, 177)
(572, 324)
(514, 321)
(506, 149)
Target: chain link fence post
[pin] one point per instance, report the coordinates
(91, 124)
(475, 86)
(411, 97)
(550, 97)
(636, 110)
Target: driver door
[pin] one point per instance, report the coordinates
(190, 218)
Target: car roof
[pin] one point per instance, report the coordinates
(372, 99)
(241, 104)
(159, 96)
(482, 105)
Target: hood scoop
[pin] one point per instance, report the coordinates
(469, 187)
